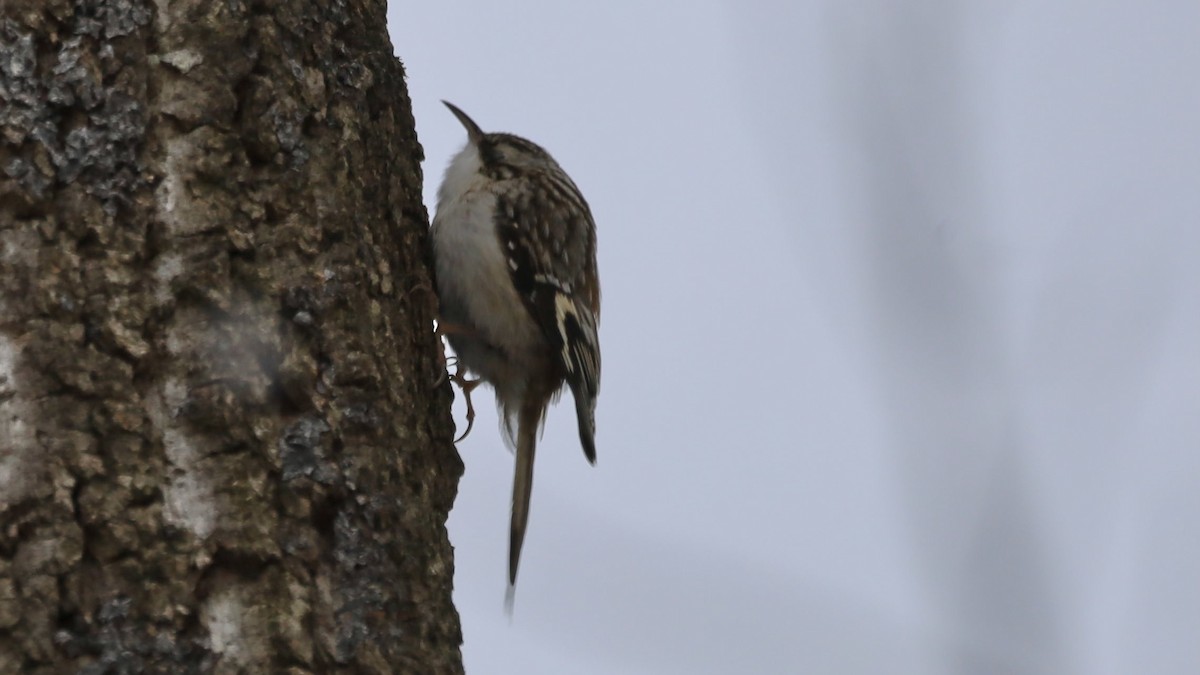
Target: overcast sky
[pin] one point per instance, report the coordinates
(901, 335)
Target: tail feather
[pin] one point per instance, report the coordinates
(527, 429)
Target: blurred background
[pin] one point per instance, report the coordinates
(901, 335)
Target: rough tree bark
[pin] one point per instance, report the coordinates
(222, 448)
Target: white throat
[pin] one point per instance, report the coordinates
(461, 176)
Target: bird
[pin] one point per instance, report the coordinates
(514, 253)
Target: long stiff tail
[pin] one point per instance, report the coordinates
(528, 424)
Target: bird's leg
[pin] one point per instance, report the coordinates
(459, 378)
(467, 386)
(443, 371)
(446, 328)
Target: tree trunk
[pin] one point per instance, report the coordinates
(222, 448)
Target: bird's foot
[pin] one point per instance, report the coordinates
(467, 386)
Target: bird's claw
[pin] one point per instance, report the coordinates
(467, 386)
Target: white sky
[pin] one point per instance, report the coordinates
(900, 329)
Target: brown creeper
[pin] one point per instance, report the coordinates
(514, 248)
